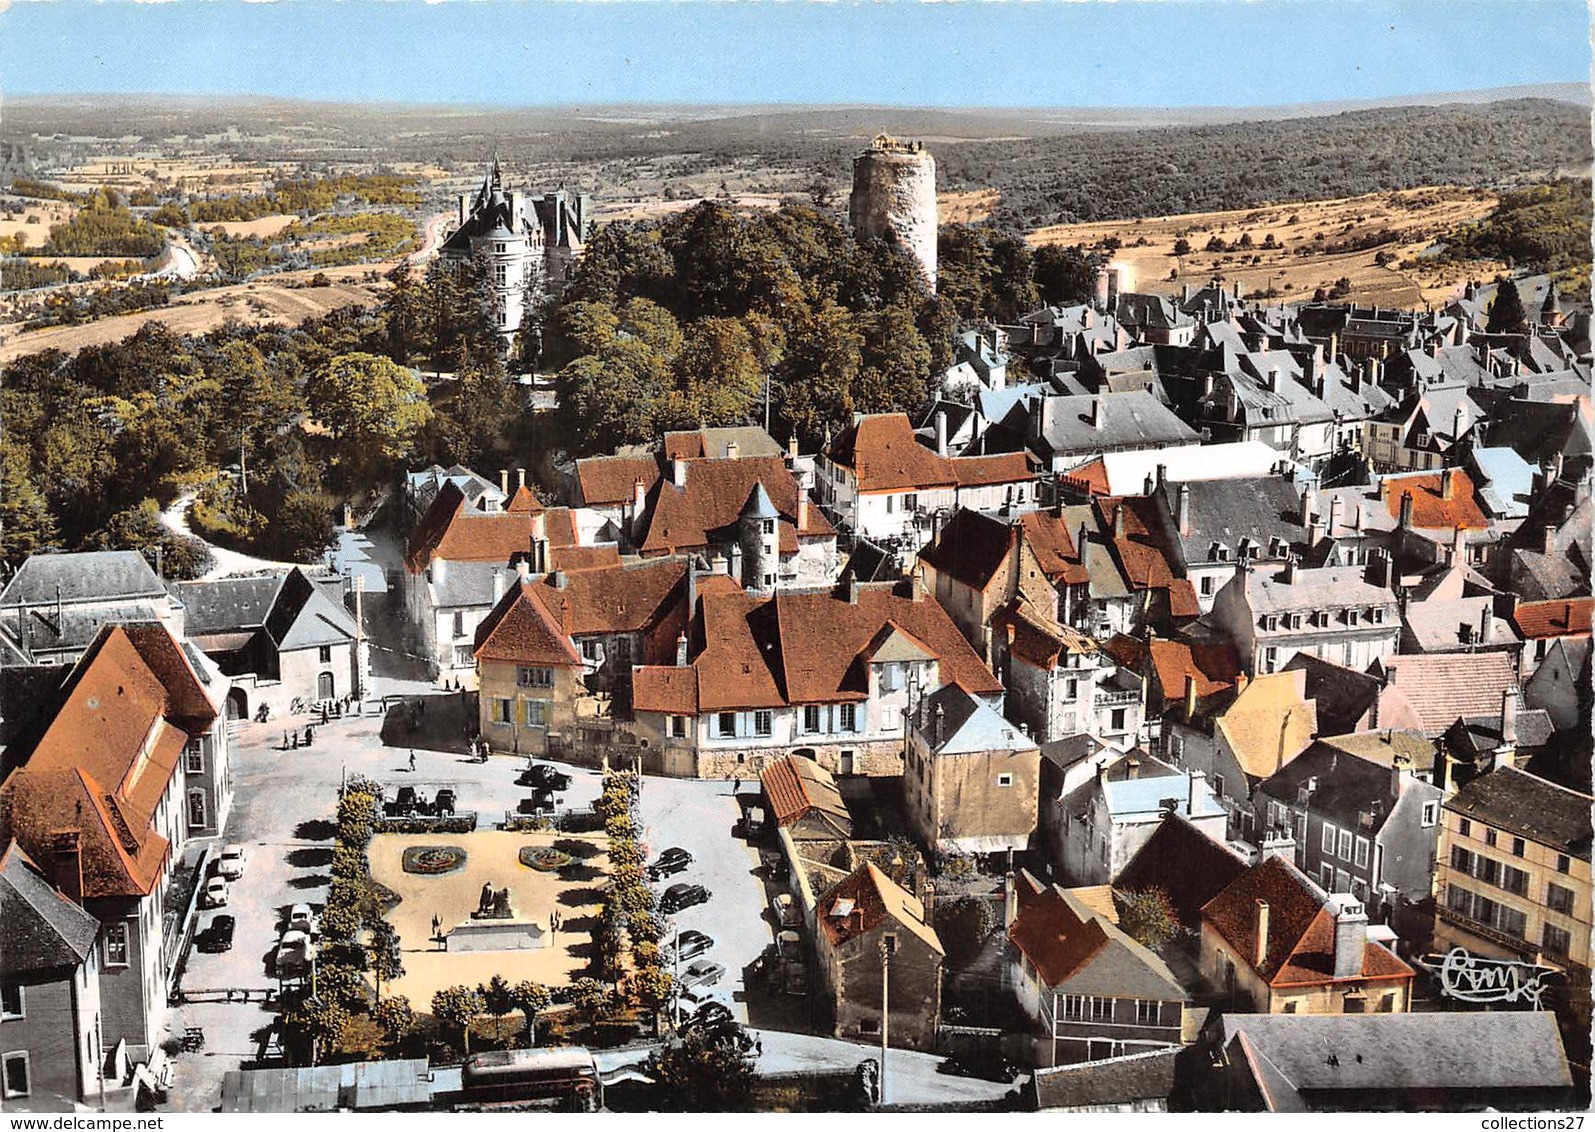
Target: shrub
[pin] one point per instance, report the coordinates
(434, 860)
(544, 858)
(421, 823)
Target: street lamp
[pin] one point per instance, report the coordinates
(888, 949)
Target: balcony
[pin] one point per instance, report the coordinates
(1113, 697)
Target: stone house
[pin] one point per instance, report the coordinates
(1271, 397)
(55, 604)
(99, 804)
(1065, 431)
(1347, 614)
(875, 944)
(1060, 682)
(1560, 685)
(830, 677)
(1238, 744)
(1542, 623)
(1360, 826)
(279, 637)
(1092, 832)
(1444, 687)
(1179, 674)
(1275, 943)
(1088, 990)
(971, 778)
(1422, 432)
(50, 1010)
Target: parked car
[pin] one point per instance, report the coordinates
(774, 862)
(711, 1015)
(690, 944)
(988, 1066)
(231, 863)
(753, 822)
(679, 896)
(215, 893)
(302, 919)
(786, 910)
(669, 863)
(701, 973)
(294, 953)
(547, 777)
(218, 934)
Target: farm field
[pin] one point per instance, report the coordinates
(263, 226)
(1414, 218)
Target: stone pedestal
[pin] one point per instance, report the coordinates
(495, 935)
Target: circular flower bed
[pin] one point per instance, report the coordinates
(433, 860)
(544, 858)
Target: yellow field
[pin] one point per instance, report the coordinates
(263, 226)
(48, 211)
(1416, 217)
(967, 208)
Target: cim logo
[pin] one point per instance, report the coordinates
(1472, 978)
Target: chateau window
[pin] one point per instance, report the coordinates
(762, 723)
(194, 757)
(1329, 838)
(811, 717)
(1489, 837)
(1517, 847)
(1559, 899)
(1556, 941)
(1146, 1012)
(536, 713)
(1270, 658)
(590, 649)
(325, 654)
(1087, 1008)
(116, 945)
(499, 248)
(1005, 780)
(1464, 827)
(911, 501)
(1564, 863)
(534, 677)
(769, 526)
(196, 809)
(726, 725)
(459, 624)
(1431, 813)
(1515, 881)
(1344, 849)
(1362, 853)
(1207, 585)
(849, 717)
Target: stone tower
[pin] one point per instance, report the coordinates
(758, 529)
(894, 198)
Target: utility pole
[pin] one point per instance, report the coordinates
(888, 946)
(243, 472)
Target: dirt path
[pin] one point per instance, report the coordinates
(175, 519)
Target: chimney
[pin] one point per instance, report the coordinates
(439, 570)
(1260, 955)
(681, 650)
(692, 588)
(1309, 505)
(1195, 781)
(540, 555)
(1096, 413)
(941, 432)
(1185, 293)
(1509, 717)
(639, 495)
(67, 864)
(1182, 509)
(1162, 475)
(1190, 697)
(802, 510)
(736, 561)
(1357, 522)
(1550, 541)
(1351, 936)
(520, 478)
(1337, 505)
(1459, 547)
(1289, 573)
(1118, 521)
(523, 568)
(1431, 348)
(1459, 423)
(717, 564)
(1281, 845)
(852, 591)
(1399, 766)
(937, 725)
(1273, 379)
(678, 471)
(1406, 510)
(1378, 572)
(792, 447)
(1010, 899)
(504, 481)
(731, 450)
(1447, 484)
(498, 585)
(1134, 767)
(558, 579)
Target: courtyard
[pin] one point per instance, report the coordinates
(492, 859)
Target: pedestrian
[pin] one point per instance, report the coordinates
(295, 738)
(310, 735)
(285, 740)
(412, 761)
(736, 786)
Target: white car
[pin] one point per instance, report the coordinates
(302, 919)
(215, 893)
(231, 863)
(294, 953)
(786, 912)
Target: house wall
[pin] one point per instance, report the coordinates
(956, 800)
(1554, 688)
(59, 1031)
(132, 997)
(213, 780)
(913, 988)
(1223, 968)
(814, 565)
(301, 671)
(499, 684)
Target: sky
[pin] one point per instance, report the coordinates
(996, 53)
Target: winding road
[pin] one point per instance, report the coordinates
(227, 562)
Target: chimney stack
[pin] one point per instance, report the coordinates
(1309, 505)
(67, 864)
(802, 510)
(1260, 955)
(1118, 520)
(1351, 936)
(1273, 379)
(792, 447)
(1133, 767)
(1509, 717)
(736, 561)
(498, 585)
(1010, 899)
(678, 471)
(558, 579)
(681, 650)
(523, 569)
(731, 450)
(1448, 484)
(1190, 698)
(504, 482)
(1096, 412)
(1550, 541)
(520, 478)
(1406, 510)
(1337, 505)
(1459, 547)
(941, 432)
(1182, 509)
(439, 570)
(1162, 475)
(1195, 781)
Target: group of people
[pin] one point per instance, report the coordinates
(291, 740)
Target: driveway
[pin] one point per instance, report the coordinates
(701, 817)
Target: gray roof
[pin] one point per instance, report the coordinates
(1526, 804)
(40, 930)
(1131, 419)
(1327, 587)
(328, 1088)
(90, 575)
(1226, 511)
(467, 585)
(226, 604)
(968, 725)
(1498, 1050)
(304, 617)
(293, 609)
(1453, 626)
(1111, 1081)
(40, 630)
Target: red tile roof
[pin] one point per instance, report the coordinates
(1542, 620)
(1430, 510)
(458, 533)
(886, 456)
(1036, 638)
(666, 688)
(1443, 687)
(1213, 665)
(874, 898)
(1050, 539)
(804, 648)
(1005, 467)
(1090, 478)
(610, 480)
(108, 757)
(524, 502)
(1142, 557)
(1047, 931)
(715, 492)
(519, 630)
(1301, 928)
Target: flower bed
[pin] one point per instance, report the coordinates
(433, 860)
(544, 858)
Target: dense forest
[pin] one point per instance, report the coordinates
(1541, 228)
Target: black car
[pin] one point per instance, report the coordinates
(669, 863)
(710, 1017)
(546, 777)
(218, 936)
(690, 944)
(986, 1066)
(679, 896)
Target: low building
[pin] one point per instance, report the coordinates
(1136, 1082)
(1066, 431)
(55, 604)
(1089, 991)
(1513, 880)
(1276, 943)
(879, 958)
(1507, 1061)
(972, 778)
(49, 992)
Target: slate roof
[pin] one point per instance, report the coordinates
(1342, 695)
(1349, 789)
(710, 443)
(1125, 473)
(1301, 928)
(292, 608)
(1134, 418)
(969, 726)
(1383, 747)
(40, 929)
(1443, 687)
(1477, 735)
(1504, 481)
(971, 548)
(798, 787)
(39, 629)
(1076, 950)
(90, 575)
(874, 899)
(1525, 804)
(1451, 626)
(226, 605)
(1361, 1053)
(1225, 512)
(1113, 1081)
(1320, 588)
(1185, 863)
